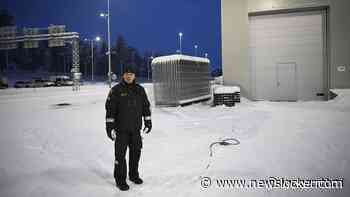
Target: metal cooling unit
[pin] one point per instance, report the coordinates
(180, 80)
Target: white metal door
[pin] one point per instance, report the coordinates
(284, 38)
(286, 82)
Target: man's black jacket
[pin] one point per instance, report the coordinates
(125, 106)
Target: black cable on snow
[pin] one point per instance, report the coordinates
(224, 142)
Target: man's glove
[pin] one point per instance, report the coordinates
(148, 126)
(112, 134)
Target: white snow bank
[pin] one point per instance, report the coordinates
(219, 80)
(226, 89)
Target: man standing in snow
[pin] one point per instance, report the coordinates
(126, 104)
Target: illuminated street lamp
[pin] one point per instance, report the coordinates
(97, 39)
(180, 39)
(107, 15)
(195, 50)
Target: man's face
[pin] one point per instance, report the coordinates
(129, 77)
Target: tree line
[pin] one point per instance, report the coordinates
(121, 55)
(59, 59)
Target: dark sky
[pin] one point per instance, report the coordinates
(146, 24)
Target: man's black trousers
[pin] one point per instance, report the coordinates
(123, 140)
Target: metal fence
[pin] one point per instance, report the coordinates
(180, 79)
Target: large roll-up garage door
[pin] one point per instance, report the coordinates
(287, 56)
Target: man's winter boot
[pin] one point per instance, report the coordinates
(137, 180)
(123, 186)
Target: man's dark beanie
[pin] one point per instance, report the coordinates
(129, 69)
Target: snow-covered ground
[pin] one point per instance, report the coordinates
(51, 151)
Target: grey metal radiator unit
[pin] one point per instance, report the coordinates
(180, 79)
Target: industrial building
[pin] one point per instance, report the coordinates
(286, 50)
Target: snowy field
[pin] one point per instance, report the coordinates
(52, 151)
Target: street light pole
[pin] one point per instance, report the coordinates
(109, 46)
(92, 41)
(108, 15)
(180, 37)
(195, 50)
(92, 60)
(148, 67)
